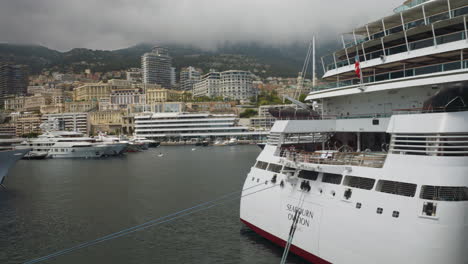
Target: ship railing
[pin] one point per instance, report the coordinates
(362, 159)
(387, 114)
(414, 45)
(410, 111)
(398, 74)
(458, 12)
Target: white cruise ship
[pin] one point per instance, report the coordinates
(69, 144)
(390, 183)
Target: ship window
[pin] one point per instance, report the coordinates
(398, 188)
(359, 182)
(396, 214)
(332, 178)
(261, 165)
(275, 167)
(444, 193)
(308, 175)
(358, 205)
(288, 170)
(379, 210)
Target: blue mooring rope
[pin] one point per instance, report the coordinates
(209, 204)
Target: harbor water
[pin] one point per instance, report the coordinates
(51, 205)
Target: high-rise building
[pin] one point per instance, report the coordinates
(188, 77)
(233, 84)
(156, 67)
(210, 85)
(173, 76)
(13, 79)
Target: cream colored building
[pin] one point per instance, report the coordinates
(164, 95)
(82, 106)
(106, 121)
(7, 130)
(53, 108)
(34, 103)
(92, 91)
(14, 103)
(27, 124)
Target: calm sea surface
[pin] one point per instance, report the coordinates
(52, 205)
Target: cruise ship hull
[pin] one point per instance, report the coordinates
(332, 229)
(8, 158)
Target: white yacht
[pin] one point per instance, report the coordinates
(70, 144)
(389, 184)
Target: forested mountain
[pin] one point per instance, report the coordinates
(283, 61)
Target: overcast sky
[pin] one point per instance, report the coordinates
(114, 24)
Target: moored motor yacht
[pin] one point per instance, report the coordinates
(70, 144)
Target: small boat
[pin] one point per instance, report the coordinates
(232, 141)
(219, 142)
(38, 155)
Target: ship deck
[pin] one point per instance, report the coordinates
(362, 159)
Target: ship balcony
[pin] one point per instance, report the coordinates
(361, 159)
(400, 71)
(412, 19)
(398, 49)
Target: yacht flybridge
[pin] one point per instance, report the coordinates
(387, 181)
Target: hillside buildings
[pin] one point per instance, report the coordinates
(233, 84)
(66, 122)
(134, 75)
(156, 67)
(188, 78)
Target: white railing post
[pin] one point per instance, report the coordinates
(383, 47)
(346, 50)
(404, 32)
(449, 9)
(368, 34)
(424, 15)
(334, 59)
(383, 26)
(466, 28)
(323, 65)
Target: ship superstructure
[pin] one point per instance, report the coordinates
(388, 184)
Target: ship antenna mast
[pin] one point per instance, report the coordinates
(305, 66)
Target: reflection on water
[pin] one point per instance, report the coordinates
(51, 205)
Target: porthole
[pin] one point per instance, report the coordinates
(333, 193)
(396, 214)
(258, 180)
(358, 205)
(379, 210)
(253, 178)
